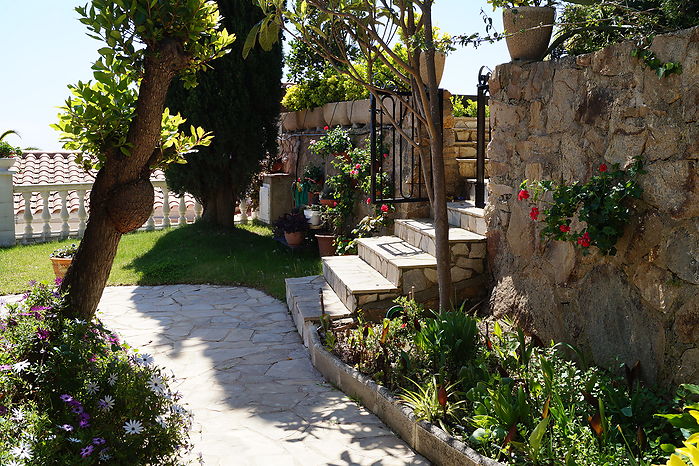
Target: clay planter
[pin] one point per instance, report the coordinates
(342, 114)
(6, 163)
(60, 265)
(326, 245)
(533, 41)
(335, 114)
(439, 61)
(328, 202)
(289, 121)
(294, 239)
(358, 112)
(301, 119)
(314, 118)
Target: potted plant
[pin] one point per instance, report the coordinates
(331, 216)
(61, 259)
(443, 46)
(314, 176)
(528, 26)
(8, 152)
(335, 142)
(315, 215)
(294, 225)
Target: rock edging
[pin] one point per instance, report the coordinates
(425, 438)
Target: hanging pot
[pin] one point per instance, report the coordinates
(326, 245)
(529, 30)
(288, 120)
(439, 61)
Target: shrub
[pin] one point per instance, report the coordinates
(75, 394)
(9, 151)
(466, 108)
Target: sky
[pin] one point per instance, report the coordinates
(43, 48)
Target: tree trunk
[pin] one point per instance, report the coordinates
(439, 200)
(121, 199)
(219, 208)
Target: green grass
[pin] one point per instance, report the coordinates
(246, 256)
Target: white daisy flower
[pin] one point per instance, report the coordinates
(161, 421)
(144, 359)
(73, 439)
(20, 366)
(177, 409)
(92, 388)
(106, 403)
(133, 427)
(156, 384)
(17, 414)
(80, 321)
(104, 456)
(14, 463)
(22, 451)
(112, 379)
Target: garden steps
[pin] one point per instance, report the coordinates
(466, 215)
(357, 284)
(420, 233)
(467, 167)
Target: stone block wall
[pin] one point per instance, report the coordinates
(561, 120)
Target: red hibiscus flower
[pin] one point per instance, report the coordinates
(326, 128)
(584, 240)
(384, 208)
(564, 228)
(534, 214)
(523, 194)
(603, 167)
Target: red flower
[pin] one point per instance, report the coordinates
(584, 240)
(523, 194)
(368, 200)
(334, 203)
(326, 128)
(358, 166)
(384, 208)
(603, 167)
(385, 155)
(534, 214)
(564, 228)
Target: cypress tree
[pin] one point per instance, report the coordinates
(239, 100)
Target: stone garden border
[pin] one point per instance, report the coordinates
(425, 438)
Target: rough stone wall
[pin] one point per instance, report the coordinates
(561, 120)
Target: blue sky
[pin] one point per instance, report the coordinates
(43, 48)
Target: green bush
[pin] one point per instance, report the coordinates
(73, 393)
(466, 108)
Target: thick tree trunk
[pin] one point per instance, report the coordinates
(219, 208)
(439, 199)
(122, 195)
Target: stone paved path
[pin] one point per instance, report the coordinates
(245, 374)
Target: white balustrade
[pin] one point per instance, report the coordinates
(74, 223)
(198, 210)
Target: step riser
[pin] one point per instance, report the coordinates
(353, 301)
(470, 249)
(467, 222)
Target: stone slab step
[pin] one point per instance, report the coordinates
(356, 283)
(466, 215)
(467, 168)
(420, 233)
(394, 258)
(303, 301)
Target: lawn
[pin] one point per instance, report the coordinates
(246, 255)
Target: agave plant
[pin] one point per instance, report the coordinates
(7, 133)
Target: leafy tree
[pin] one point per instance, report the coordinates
(120, 124)
(239, 101)
(332, 28)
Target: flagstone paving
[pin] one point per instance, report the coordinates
(248, 379)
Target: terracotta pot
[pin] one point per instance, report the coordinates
(288, 121)
(60, 265)
(326, 245)
(359, 112)
(328, 202)
(439, 61)
(531, 43)
(294, 239)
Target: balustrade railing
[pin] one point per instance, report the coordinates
(71, 219)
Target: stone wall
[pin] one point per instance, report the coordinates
(561, 120)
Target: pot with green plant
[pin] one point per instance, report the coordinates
(334, 142)
(8, 152)
(528, 26)
(314, 176)
(443, 46)
(61, 259)
(294, 225)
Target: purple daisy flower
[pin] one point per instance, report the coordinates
(98, 441)
(67, 398)
(84, 423)
(43, 334)
(87, 451)
(67, 427)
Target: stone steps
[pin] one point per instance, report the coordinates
(466, 215)
(356, 283)
(399, 261)
(421, 234)
(467, 167)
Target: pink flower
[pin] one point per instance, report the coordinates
(43, 334)
(385, 155)
(534, 214)
(354, 172)
(368, 200)
(523, 194)
(603, 167)
(564, 228)
(334, 203)
(358, 166)
(384, 208)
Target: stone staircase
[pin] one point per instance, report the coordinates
(465, 147)
(390, 266)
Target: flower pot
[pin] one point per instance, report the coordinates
(529, 39)
(359, 112)
(315, 218)
(439, 61)
(314, 118)
(328, 202)
(289, 121)
(326, 245)
(301, 119)
(294, 239)
(60, 265)
(342, 114)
